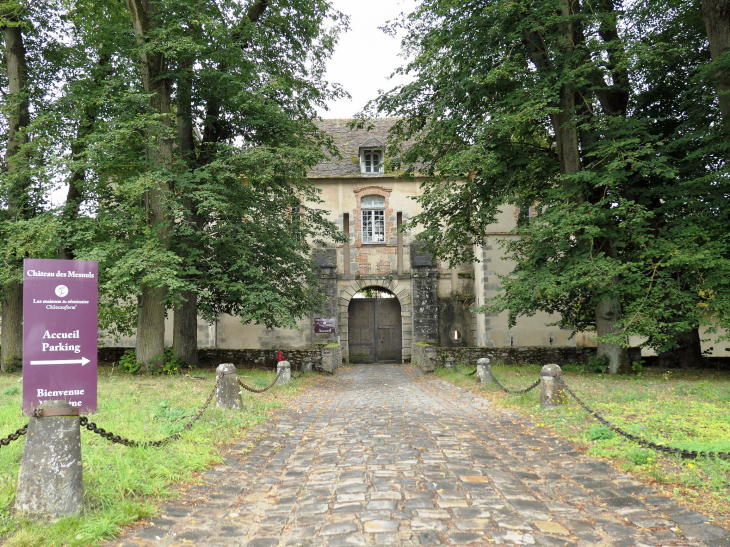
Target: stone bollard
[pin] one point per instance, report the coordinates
(551, 391)
(283, 368)
(228, 394)
(306, 365)
(50, 479)
(450, 363)
(484, 371)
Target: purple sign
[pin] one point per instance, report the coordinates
(324, 325)
(60, 311)
(429, 349)
(326, 352)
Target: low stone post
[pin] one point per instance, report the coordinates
(551, 391)
(306, 365)
(50, 480)
(228, 394)
(283, 371)
(450, 363)
(484, 371)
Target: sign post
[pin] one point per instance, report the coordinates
(60, 324)
(324, 325)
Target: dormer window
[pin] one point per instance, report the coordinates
(371, 157)
(371, 161)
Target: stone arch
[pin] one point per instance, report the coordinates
(402, 291)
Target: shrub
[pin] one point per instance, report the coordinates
(600, 433)
(171, 364)
(128, 363)
(12, 390)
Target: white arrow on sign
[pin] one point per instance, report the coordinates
(82, 361)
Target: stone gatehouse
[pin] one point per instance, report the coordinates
(383, 292)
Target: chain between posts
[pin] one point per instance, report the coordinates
(472, 373)
(14, 436)
(111, 437)
(686, 454)
(267, 388)
(514, 392)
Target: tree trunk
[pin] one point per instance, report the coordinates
(12, 325)
(608, 312)
(185, 329)
(185, 322)
(15, 160)
(687, 354)
(716, 17)
(151, 327)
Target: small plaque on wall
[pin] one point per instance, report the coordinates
(324, 325)
(326, 352)
(429, 349)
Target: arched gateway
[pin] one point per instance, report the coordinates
(374, 333)
(378, 329)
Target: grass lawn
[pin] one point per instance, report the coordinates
(683, 409)
(124, 484)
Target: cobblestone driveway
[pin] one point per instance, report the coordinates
(381, 455)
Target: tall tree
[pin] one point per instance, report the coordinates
(17, 180)
(538, 101)
(145, 16)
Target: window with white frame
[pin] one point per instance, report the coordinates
(373, 219)
(371, 160)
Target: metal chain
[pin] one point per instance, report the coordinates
(267, 388)
(472, 373)
(514, 392)
(687, 454)
(14, 436)
(111, 437)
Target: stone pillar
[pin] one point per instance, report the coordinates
(325, 261)
(551, 391)
(331, 359)
(484, 371)
(450, 363)
(228, 394)
(50, 479)
(306, 365)
(283, 373)
(424, 295)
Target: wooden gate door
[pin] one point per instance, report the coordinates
(375, 334)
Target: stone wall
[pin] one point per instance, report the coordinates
(242, 358)
(537, 355)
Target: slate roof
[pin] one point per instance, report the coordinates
(348, 142)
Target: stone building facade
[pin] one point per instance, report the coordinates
(418, 299)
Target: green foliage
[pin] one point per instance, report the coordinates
(600, 433)
(235, 218)
(170, 365)
(14, 365)
(128, 362)
(640, 456)
(639, 214)
(12, 390)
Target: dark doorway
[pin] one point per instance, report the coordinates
(375, 328)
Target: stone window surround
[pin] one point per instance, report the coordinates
(402, 291)
(390, 228)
